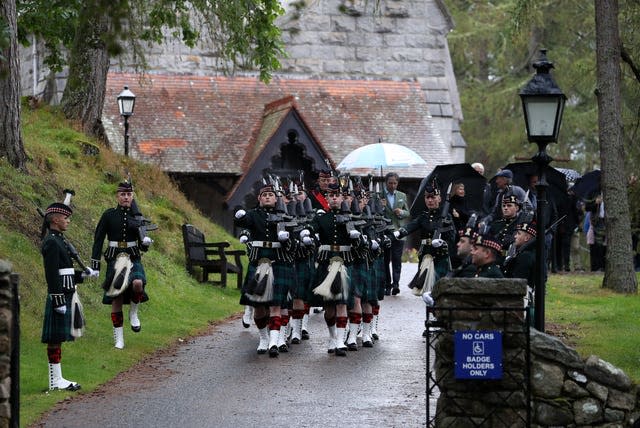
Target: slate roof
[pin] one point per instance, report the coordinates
(215, 125)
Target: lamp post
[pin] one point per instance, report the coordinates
(126, 102)
(543, 105)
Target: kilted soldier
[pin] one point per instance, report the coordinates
(466, 268)
(337, 239)
(437, 233)
(360, 280)
(125, 280)
(63, 318)
(522, 263)
(271, 274)
(317, 196)
(484, 256)
(503, 229)
(373, 281)
(305, 258)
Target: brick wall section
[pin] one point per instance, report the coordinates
(566, 389)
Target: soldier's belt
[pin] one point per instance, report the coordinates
(266, 244)
(66, 271)
(123, 244)
(335, 247)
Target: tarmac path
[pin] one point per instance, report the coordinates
(218, 380)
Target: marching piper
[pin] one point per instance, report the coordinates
(271, 273)
(125, 280)
(437, 233)
(337, 237)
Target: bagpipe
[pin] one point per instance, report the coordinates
(137, 220)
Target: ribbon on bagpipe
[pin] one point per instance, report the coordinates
(335, 286)
(424, 279)
(260, 287)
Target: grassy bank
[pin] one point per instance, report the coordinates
(60, 157)
(595, 321)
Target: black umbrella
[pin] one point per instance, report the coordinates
(557, 190)
(588, 186)
(474, 184)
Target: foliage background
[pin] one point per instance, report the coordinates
(492, 47)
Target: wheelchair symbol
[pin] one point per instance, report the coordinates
(478, 348)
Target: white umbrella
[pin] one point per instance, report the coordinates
(381, 155)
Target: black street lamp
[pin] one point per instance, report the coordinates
(126, 102)
(543, 105)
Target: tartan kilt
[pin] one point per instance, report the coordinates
(137, 272)
(359, 284)
(378, 274)
(56, 328)
(284, 280)
(305, 273)
(319, 275)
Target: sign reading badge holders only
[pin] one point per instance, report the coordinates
(478, 354)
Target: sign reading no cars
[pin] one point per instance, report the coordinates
(478, 354)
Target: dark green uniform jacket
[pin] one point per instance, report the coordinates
(61, 284)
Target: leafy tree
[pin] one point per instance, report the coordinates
(243, 32)
(11, 145)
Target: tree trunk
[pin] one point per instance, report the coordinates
(84, 93)
(619, 274)
(11, 145)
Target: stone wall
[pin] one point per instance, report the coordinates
(5, 343)
(566, 390)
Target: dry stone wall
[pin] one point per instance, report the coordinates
(566, 389)
(5, 343)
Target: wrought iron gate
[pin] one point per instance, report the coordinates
(505, 402)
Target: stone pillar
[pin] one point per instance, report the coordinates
(5, 343)
(469, 402)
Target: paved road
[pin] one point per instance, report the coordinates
(218, 380)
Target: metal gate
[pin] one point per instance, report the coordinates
(505, 402)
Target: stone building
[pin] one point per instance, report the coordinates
(353, 76)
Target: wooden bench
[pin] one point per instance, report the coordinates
(210, 257)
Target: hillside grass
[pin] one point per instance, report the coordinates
(179, 306)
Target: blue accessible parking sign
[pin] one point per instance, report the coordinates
(478, 354)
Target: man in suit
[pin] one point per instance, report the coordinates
(396, 209)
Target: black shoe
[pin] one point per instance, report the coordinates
(340, 352)
(273, 352)
(387, 292)
(375, 336)
(283, 348)
(395, 291)
(331, 350)
(425, 333)
(352, 346)
(262, 351)
(305, 335)
(367, 344)
(295, 341)
(136, 329)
